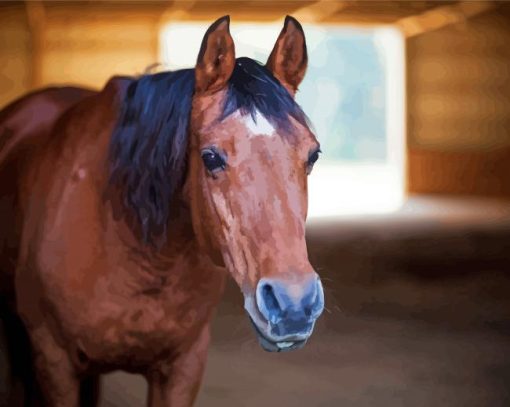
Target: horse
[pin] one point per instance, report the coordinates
(124, 210)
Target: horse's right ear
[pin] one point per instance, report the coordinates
(216, 58)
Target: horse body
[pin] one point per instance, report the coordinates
(94, 287)
(95, 297)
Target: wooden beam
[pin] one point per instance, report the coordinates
(440, 17)
(36, 17)
(319, 11)
(177, 11)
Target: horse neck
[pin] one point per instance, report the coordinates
(134, 252)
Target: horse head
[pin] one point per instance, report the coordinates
(250, 152)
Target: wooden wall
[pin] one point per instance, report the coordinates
(459, 107)
(15, 59)
(71, 45)
(89, 46)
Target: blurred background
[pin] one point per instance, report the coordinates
(409, 220)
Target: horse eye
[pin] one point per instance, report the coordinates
(312, 158)
(212, 160)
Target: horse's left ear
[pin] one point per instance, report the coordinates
(289, 58)
(216, 59)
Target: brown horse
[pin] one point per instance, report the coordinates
(121, 209)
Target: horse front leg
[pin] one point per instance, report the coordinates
(55, 372)
(176, 383)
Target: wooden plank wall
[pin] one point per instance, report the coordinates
(84, 46)
(15, 57)
(87, 47)
(459, 107)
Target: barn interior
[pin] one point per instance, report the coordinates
(409, 222)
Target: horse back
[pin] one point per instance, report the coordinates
(25, 127)
(29, 120)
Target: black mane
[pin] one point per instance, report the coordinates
(149, 143)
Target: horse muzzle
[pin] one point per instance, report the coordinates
(284, 314)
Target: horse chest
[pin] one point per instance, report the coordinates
(139, 328)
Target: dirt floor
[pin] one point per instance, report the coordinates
(418, 314)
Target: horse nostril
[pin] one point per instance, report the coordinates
(268, 303)
(318, 303)
(311, 302)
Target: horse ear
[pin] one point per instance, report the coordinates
(216, 58)
(289, 58)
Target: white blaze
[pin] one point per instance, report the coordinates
(260, 126)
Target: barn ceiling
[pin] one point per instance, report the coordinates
(350, 11)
